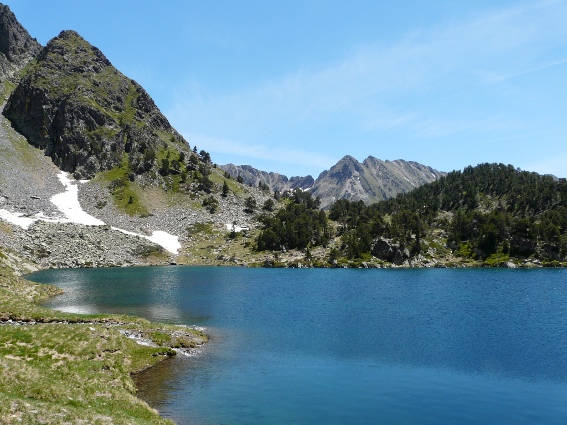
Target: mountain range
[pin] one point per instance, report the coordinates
(88, 117)
(70, 115)
(371, 181)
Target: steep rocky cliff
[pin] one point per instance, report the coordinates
(85, 114)
(158, 200)
(17, 47)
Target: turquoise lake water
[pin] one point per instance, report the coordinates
(318, 346)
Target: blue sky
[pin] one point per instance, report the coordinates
(293, 86)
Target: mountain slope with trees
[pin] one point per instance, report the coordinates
(490, 214)
(69, 102)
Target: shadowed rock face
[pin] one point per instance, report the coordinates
(87, 115)
(17, 47)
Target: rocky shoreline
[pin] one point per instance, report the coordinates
(47, 245)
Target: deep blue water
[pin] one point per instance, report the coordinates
(296, 346)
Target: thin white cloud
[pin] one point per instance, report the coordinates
(432, 84)
(500, 78)
(278, 154)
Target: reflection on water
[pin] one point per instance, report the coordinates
(348, 346)
(155, 384)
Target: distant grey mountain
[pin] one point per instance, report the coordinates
(275, 181)
(371, 181)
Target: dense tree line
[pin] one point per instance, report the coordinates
(522, 193)
(359, 225)
(298, 225)
(490, 209)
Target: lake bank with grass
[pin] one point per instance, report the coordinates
(58, 367)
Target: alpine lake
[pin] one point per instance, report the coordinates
(345, 346)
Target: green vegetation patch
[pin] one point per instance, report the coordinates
(66, 373)
(234, 187)
(497, 260)
(126, 194)
(27, 291)
(297, 225)
(7, 88)
(465, 250)
(207, 228)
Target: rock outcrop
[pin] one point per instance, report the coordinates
(386, 250)
(55, 245)
(86, 115)
(17, 47)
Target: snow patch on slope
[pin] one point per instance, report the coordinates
(68, 204)
(232, 227)
(168, 241)
(19, 219)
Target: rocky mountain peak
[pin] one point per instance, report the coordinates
(346, 168)
(87, 115)
(348, 159)
(71, 35)
(74, 54)
(370, 181)
(17, 47)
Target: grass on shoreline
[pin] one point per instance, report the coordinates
(62, 368)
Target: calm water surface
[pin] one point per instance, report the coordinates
(347, 346)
